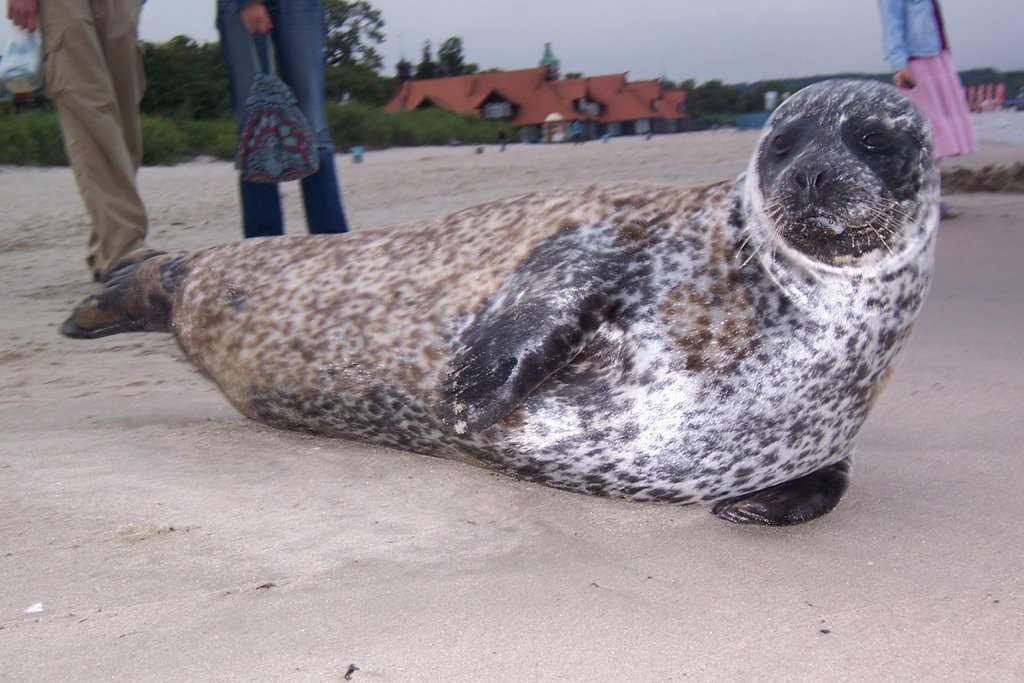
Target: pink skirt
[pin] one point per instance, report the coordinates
(940, 97)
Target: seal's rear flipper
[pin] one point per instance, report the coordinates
(791, 502)
(136, 297)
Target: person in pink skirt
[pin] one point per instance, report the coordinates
(915, 45)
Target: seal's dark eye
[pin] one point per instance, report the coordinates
(782, 144)
(877, 141)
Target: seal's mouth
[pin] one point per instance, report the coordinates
(824, 235)
(821, 227)
(835, 227)
(847, 225)
(833, 238)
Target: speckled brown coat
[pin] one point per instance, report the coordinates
(645, 342)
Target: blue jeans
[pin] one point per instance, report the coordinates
(298, 38)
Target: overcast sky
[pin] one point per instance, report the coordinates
(737, 41)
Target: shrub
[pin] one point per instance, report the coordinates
(356, 123)
(211, 138)
(31, 139)
(163, 143)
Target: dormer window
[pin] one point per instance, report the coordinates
(498, 110)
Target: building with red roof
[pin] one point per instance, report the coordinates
(527, 98)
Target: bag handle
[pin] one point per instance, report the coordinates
(257, 60)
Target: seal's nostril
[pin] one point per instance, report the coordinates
(809, 179)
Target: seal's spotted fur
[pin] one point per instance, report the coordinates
(643, 342)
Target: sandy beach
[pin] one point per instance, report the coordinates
(148, 532)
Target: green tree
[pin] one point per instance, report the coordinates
(450, 59)
(751, 99)
(404, 69)
(185, 80)
(359, 83)
(713, 97)
(353, 30)
(427, 68)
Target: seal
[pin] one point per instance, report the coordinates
(717, 345)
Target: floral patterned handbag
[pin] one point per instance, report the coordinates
(277, 142)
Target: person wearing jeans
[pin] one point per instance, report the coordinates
(296, 29)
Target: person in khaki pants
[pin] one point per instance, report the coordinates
(95, 80)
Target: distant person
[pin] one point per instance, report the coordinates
(502, 138)
(95, 80)
(916, 47)
(296, 28)
(576, 132)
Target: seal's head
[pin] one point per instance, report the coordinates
(843, 175)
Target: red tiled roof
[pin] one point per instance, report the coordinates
(534, 97)
(671, 104)
(619, 100)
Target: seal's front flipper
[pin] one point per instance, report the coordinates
(506, 356)
(791, 502)
(535, 324)
(136, 297)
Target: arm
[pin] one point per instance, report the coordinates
(24, 14)
(894, 33)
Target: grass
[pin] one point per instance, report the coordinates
(33, 138)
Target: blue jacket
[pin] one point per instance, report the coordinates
(909, 29)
